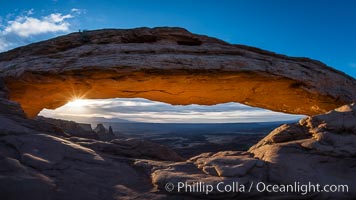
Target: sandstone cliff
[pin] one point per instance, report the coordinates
(83, 130)
(70, 127)
(103, 133)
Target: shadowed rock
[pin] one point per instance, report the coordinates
(130, 147)
(71, 128)
(103, 133)
(319, 149)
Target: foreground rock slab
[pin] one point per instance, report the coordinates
(317, 150)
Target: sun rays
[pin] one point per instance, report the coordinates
(77, 103)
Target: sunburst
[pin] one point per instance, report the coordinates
(77, 103)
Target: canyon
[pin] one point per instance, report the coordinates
(41, 161)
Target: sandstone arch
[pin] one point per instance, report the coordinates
(169, 65)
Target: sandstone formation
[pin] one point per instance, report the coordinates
(169, 65)
(319, 149)
(46, 167)
(70, 127)
(83, 130)
(103, 133)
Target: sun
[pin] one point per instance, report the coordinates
(77, 103)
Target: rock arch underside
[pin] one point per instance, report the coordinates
(174, 66)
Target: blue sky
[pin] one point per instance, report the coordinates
(320, 29)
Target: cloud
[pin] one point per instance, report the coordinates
(77, 10)
(30, 12)
(143, 110)
(4, 44)
(26, 28)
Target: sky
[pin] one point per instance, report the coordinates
(320, 29)
(143, 110)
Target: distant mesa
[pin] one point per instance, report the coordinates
(80, 129)
(98, 120)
